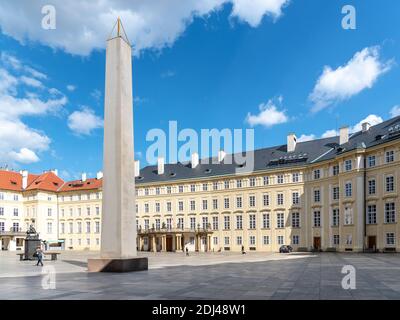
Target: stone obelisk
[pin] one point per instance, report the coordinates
(118, 234)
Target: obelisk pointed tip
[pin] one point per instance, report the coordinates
(118, 31)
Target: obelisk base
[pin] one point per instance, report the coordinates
(118, 265)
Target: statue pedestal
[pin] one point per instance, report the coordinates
(30, 248)
(118, 265)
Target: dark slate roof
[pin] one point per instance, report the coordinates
(276, 157)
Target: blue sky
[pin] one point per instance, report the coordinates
(213, 68)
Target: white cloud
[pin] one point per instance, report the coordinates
(305, 137)
(360, 73)
(253, 11)
(84, 26)
(24, 156)
(83, 122)
(372, 119)
(20, 143)
(268, 116)
(96, 94)
(395, 111)
(31, 82)
(71, 87)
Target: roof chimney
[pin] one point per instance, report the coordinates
(160, 164)
(366, 126)
(99, 175)
(84, 177)
(291, 142)
(195, 160)
(24, 179)
(221, 155)
(344, 135)
(137, 168)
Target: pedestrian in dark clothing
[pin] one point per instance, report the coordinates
(243, 252)
(187, 251)
(39, 255)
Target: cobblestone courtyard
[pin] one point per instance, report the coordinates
(208, 276)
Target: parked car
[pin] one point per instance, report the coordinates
(285, 249)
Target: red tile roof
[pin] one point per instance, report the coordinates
(48, 181)
(89, 184)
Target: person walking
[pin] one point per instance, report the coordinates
(187, 251)
(243, 252)
(39, 255)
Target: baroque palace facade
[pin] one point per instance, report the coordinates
(338, 193)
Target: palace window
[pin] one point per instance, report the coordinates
(317, 195)
(295, 198)
(226, 184)
(295, 177)
(239, 222)
(390, 212)
(158, 224)
(280, 240)
(158, 207)
(390, 239)
(348, 216)
(180, 189)
(15, 212)
(169, 206)
(79, 227)
(335, 170)
(239, 240)
(252, 240)
(215, 185)
(266, 200)
(192, 188)
(296, 220)
(252, 182)
(87, 226)
(348, 165)
(295, 240)
(317, 219)
(169, 223)
(227, 222)
(317, 174)
(252, 201)
(180, 205)
(146, 224)
(226, 241)
(239, 202)
(390, 184)
(205, 222)
(169, 189)
(266, 222)
(226, 203)
(280, 199)
(335, 217)
(348, 189)
(192, 223)
(371, 214)
(238, 183)
(97, 227)
(192, 205)
(280, 220)
(266, 240)
(336, 240)
(389, 156)
(266, 181)
(371, 161)
(215, 241)
(215, 204)
(146, 208)
(205, 187)
(215, 223)
(252, 221)
(335, 193)
(372, 186)
(280, 178)
(49, 227)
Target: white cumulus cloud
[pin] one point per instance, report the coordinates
(83, 25)
(268, 116)
(395, 111)
(358, 74)
(84, 121)
(20, 143)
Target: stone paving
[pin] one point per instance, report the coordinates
(209, 276)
